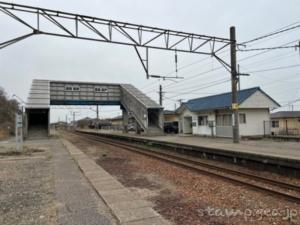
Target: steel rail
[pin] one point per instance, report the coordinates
(203, 167)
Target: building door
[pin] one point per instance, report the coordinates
(187, 125)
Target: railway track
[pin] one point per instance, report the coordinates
(271, 186)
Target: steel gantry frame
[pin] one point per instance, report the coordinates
(116, 32)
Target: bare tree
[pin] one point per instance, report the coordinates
(8, 108)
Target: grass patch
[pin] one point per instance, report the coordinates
(14, 152)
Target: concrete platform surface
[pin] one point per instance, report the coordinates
(264, 147)
(127, 207)
(51, 172)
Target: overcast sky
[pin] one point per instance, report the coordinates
(43, 57)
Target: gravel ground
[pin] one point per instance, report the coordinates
(26, 188)
(187, 197)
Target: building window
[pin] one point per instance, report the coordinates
(100, 89)
(72, 88)
(76, 88)
(224, 120)
(227, 120)
(202, 121)
(242, 118)
(68, 88)
(219, 120)
(275, 124)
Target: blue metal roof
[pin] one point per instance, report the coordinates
(220, 101)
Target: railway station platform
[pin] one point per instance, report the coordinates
(265, 151)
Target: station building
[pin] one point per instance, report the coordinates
(212, 115)
(285, 123)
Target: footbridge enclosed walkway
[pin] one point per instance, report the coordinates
(43, 93)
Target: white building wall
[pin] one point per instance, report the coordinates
(204, 130)
(254, 121)
(196, 129)
(183, 125)
(254, 125)
(258, 100)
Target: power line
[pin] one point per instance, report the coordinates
(186, 66)
(266, 51)
(272, 59)
(204, 87)
(197, 93)
(270, 48)
(274, 68)
(205, 72)
(196, 76)
(277, 31)
(272, 33)
(278, 80)
(220, 67)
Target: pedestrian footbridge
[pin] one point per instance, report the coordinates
(44, 93)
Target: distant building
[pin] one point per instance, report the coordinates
(59, 125)
(285, 123)
(92, 123)
(83, 123)
(171, 121)
(117, 121)
(212, 115)
(171, 116)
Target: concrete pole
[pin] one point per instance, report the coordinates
(73, 120)
(160, 95)
(97, 111)
(125, 120)
(234, 83)
(97, 123)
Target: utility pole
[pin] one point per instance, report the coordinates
(180, 101)
(234, 82)
(97, 123)
(97, 111)
(160, 95)
(239, 78)
(74, 118)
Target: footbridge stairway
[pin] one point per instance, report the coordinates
(147, 113)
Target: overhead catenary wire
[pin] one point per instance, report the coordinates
(208, 86)
(270, 48)
(217, 68)
(284, 46)
(274, 68)
(278, 31)
(220, 73)
(284, 29)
